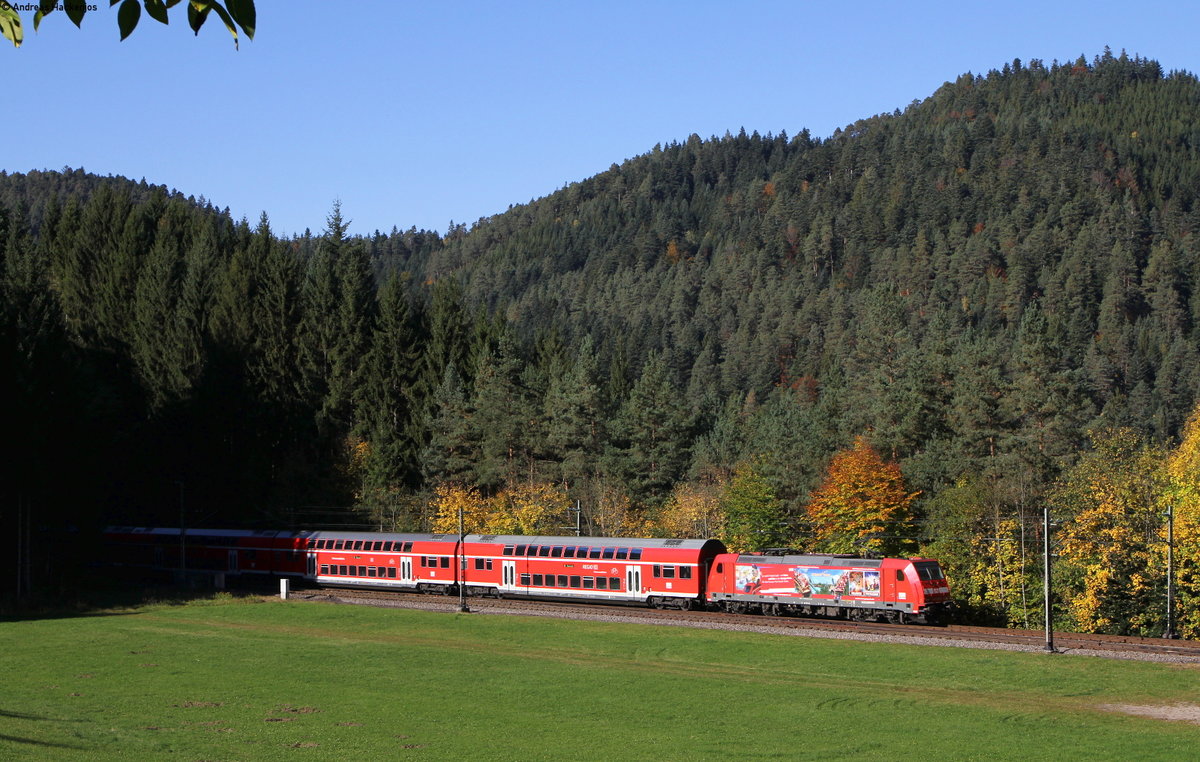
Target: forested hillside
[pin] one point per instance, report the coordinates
(906, 337)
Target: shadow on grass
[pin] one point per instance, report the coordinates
(35, 742)
(106, 600)
(32, 741)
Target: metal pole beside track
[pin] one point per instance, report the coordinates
(462, 567)
(1046, 577)
(1170, 633)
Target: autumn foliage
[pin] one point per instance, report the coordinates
(528, 508)
(1183, 496)
(862, 505)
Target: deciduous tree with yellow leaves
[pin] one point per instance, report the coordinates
(693, 510)
(1183, 494)
(1110, 544)
(524, 508)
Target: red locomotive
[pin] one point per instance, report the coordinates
(781, 582)
(662, 573)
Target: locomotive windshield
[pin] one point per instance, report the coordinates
(929, 570)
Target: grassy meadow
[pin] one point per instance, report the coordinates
(262, 679)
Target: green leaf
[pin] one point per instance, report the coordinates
(10, 25)
(197, 15)
(157, 10)
(75, 11)
(128, 16)
(44, 7)
(228, 21)
(244, 14)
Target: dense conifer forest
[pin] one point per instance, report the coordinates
(906, 337)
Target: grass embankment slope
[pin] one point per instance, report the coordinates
(264, 679)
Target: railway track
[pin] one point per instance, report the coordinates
(1117, 646)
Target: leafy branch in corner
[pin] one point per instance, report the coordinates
(234, 14)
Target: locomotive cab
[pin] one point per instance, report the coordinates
(921, 581)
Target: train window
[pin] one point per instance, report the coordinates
(589, 583)
(339, 545)
(524, 580)
(537, 580)
(549, 580)
(614, 583)
(622, 554)
(929, 570)
(601, 583)
(520, 551)
(342, 572)
(720, 568)
(562, 580)
(608, 552)
(899, 575)
(371, 571)
(358, 544)
(668, 572)
(391, 572)
(362, 571)
(324, 568)
(635, 554)
(478, 563)
(657, 570)
(378, 545)
(487, 564)
(508, 550)
(408, 547)
(569, 551)
(685, 572)
(556, 551)
(445, 562)
(594, 552)
(532, 551)
(575, 582)
(544, 551)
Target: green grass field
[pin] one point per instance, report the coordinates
(250, 679)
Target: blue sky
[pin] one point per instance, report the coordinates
(416, 114)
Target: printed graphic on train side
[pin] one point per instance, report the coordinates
(807, 581)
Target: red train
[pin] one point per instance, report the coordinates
(663, 573)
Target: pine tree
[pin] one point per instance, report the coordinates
(573, 417)
(385, 397)
(452, 450)
(651, 434)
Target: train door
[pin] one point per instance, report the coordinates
(311, 569)
(406, 574)
(633, 580)
(233, 560)
(508, 575)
